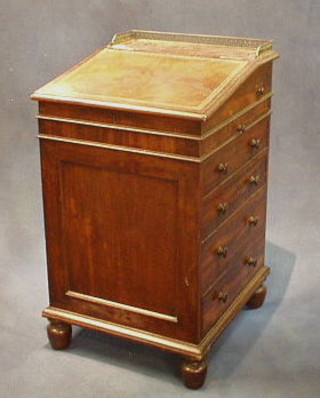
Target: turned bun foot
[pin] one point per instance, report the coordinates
(59, 334)
(194, 373)
(257, 299)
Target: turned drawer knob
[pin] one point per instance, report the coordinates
(223, 167)
(222, 296)
(222, 251)
(222, 208)
(254, 180)
(252, 262)
(260, 91)
(241, 128)
(255, 143)
(253, 220)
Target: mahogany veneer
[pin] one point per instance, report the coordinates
(154, 157)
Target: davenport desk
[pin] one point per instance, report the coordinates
(154, 156)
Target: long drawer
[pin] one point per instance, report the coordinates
(222, 202)
(234, 154)
(235, 240)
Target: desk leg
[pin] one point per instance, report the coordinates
(194, 372)
(258, 297)
(59, 334)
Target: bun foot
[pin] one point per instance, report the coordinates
(258, 298)
(59, 334)
(194, 373)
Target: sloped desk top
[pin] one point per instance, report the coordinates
(183, 75)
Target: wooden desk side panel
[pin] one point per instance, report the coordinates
(122, 237)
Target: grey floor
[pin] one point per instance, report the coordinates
(270, 352)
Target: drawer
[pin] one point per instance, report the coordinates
(222, 202)
(250, 91)
(219, 298)
(231, 156)
(232, 128)
(236, 239)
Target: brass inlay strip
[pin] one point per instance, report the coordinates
(174, 345)
(159, 132)
(121, 306)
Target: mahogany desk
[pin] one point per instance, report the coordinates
(154, 156)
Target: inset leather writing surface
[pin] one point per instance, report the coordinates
(120, 234)
(148, 79)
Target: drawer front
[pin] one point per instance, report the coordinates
(251, 90)
(236, 240)
(222, 294)
(231, 156)
(221, 135)
(219, 204)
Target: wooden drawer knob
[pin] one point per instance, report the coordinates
(255, 143)
(260, 91)
(251, 261)
(222, 167)
(222, 208)
(254, 180)
(222, 251)
(241, 128)
(223, 296)
(253, 220)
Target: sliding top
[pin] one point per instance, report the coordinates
(181, 75)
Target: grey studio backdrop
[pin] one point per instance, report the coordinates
(270, 352)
